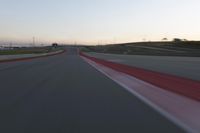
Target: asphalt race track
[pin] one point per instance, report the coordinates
(64, 94)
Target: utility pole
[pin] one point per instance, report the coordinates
(10, 45)
(33, 41)
(114, 40)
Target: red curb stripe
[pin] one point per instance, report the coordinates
(30, 58)
(186, 87)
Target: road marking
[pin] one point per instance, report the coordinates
(177, 108)
(183, 86)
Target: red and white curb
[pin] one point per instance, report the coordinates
(181, 110)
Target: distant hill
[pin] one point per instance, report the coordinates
(172, 48)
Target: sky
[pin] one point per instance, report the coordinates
(98, 21)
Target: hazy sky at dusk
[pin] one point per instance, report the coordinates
(93, 21)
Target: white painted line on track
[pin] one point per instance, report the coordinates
(179, 109)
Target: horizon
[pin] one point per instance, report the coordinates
(97, 22)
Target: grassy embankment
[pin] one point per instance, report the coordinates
(184, 48)
(35, 50)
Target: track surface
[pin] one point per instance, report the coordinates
(188, 67)
(64, 94)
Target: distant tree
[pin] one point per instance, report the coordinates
(177, 40)
(55, 45)
(164, 39)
